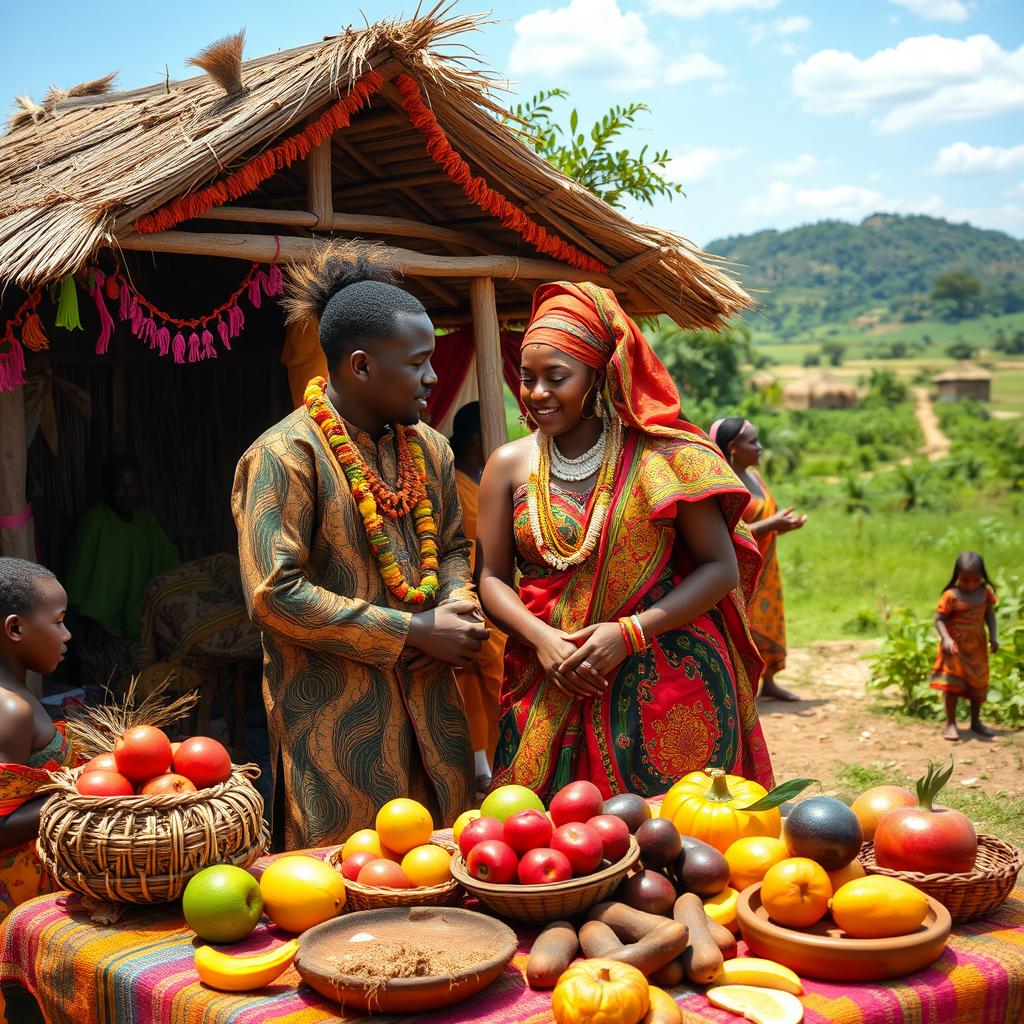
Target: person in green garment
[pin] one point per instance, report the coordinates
(117, 549)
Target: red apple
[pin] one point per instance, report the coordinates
(142, 753)
(579, 801)
(544, 865)
(355, 862)
(101, 763)
(527, 830)
(206, 762)
(492, 861)
(477, 831)
(928, 839)
(614, 833)
(169, 783)
(581, 844)
(384, 874)
(100, 783)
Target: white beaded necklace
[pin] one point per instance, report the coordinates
(581, 467)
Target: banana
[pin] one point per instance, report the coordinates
(228, 973)
(751, 970)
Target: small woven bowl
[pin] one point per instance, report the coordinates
(373, 897)
(968, 894)
(539, 904)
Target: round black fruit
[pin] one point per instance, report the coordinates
(632, 809)
(825, 830)
(659, 843)
(701, 869)
(649, 891)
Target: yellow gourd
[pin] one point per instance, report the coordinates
(600, 992)
(708, 805)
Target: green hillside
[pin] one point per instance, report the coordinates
(883, 268)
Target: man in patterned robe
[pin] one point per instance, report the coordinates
(361, 699)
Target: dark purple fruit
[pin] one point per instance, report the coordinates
(659, 843)
(701, 869)
(632, 809)
(825, 830)
(649, 891)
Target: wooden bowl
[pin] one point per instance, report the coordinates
(481, 948)
(539, 904)
(826, 952)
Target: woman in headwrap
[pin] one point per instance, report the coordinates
(629, 661)
(739, 442)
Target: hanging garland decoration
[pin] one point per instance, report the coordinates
(367, 489)
(151, 324)
(251, 175)
(27, 324)
(476, 188)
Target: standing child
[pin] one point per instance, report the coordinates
(33, 638)
(967, 606)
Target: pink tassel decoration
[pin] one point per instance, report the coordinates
(163, 340)
(222, 330)
(236, 320)
(106, 321)
(193, 348)
(137, 317)
(255, 296)
(12, 364)
(124, 310)
(275, 282)
(209, 352)
(178, 347)
(148, 331)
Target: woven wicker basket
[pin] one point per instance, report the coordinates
(969, 894)
(540, 904)
(144, 849)
(372, 897)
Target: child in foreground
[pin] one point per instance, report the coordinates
(33, 638)
(966, 608)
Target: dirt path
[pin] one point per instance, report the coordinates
(834, 724)
(936, 444)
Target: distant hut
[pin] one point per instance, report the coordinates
(821, 390)
(963, 382)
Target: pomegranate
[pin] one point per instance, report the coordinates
(142, 752)
(203, 761)
(926, 838)
(170, 783)
(101, 783)
(101, 763)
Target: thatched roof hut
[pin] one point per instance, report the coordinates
(391, 132)
(820, 390)
(964, 381)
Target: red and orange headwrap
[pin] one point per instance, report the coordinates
(587, 323)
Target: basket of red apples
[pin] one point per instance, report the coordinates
(535, 864)
(134, 824)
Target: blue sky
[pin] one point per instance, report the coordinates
(776, 112)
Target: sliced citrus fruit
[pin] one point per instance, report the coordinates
(752, 970)
(758, 1005)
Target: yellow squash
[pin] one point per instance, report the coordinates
(600, 992)
(228, 973)
(708, 805)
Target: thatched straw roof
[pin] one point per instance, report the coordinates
(78, 171)
(962, 372)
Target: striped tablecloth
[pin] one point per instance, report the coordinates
(140, 971)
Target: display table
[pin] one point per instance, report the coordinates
(140, 971)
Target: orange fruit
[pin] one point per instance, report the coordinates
(795, 892)
(876, 802)
(427, 865)
(750, 857)
(365, 839)
(461, 822)
(843, 875)
(403, 824)
(877, 907)
(300, 891)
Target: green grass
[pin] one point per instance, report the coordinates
(1008, 389)
(842, 571)
(999, 814)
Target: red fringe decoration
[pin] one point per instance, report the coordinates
(251, 175)
(12, 356)
(476, 188)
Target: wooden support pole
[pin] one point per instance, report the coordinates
(489, 377)
(318, 184)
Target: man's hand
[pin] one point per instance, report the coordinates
(452, 632)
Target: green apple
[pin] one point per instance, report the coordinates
(222, 903)
(508, 800)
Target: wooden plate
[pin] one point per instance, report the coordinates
(481, 948)
(826, 952)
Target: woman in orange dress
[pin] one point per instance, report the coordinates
(614, 557)
(739, 442)
(966, 608)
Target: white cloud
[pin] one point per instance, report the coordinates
(787, 26)
(1008, 217)
(803, 164)
(921, 80)
(698, 8)
(936, 10)
(589, 39)
(963, 158)
(762, 30)
(784, 202)
(692, 67)
(697, 163)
